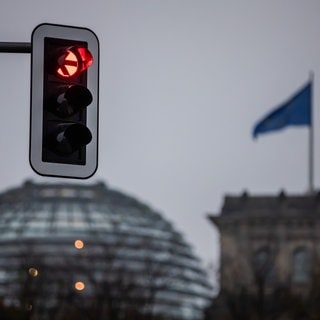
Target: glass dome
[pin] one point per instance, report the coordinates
(67, 248)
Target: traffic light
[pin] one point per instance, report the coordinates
(64, 101)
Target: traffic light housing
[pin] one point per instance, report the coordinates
(64, 101)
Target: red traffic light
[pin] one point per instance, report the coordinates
(73, 61)
(64, 101)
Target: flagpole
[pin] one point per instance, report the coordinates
(311, 138)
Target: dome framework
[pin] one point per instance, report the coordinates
(90, 252)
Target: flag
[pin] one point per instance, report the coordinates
(295, 111)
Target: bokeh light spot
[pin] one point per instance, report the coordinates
(33, 272)
(79, 285)
(79, 244)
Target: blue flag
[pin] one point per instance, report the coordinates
(296, 111)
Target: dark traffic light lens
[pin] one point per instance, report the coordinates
(67, 138)
(71, 101)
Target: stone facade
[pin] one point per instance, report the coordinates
(271, 239)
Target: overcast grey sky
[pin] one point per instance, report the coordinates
(182, 83)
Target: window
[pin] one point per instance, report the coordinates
(301, 265)
(262, 264)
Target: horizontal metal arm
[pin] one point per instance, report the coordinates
(15, 47)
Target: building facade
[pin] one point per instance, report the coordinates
(269, 244)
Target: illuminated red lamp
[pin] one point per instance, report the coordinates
(73, 61)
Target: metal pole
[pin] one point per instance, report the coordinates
(311, 142)
(15, 47)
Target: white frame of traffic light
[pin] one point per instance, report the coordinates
(36, 114)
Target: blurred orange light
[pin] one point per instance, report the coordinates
(79, 285)
(33, 272)
(79, 244)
